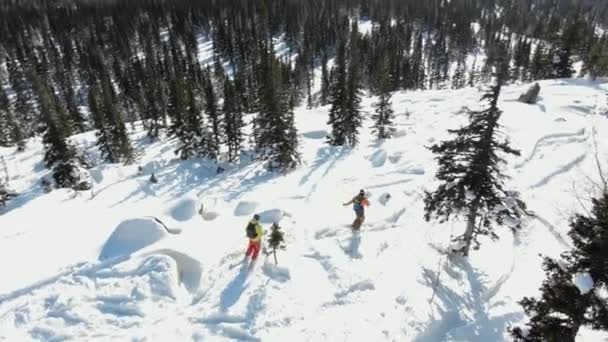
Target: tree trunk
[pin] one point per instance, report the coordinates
(468, 234)
(274, 252)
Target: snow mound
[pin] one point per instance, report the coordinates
(245, 208)
(189, 270)
(210, 215)
(271, 215)
(184, 210)
(384, 198)
(583, 281)
(378, 158)
(321, 134)
(132, 235)
(151, 276)
(395, 157)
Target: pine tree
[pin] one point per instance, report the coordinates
(5, 118)
(215, 120)
(325, 81)
(120, 139)
(59, 155)
(540, 63)
(472, 183)
(187, 123)
(275, 132)
(352, 119)
(233, 122)
(6, 193)
(564, 307)
(276, 240)
(112, 138)
(459, 78)
(338, 98)
(383, 119)
(562, 65)
(96, 107)
(596, 62)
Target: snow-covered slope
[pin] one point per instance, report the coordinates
(74, 268)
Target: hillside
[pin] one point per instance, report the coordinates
(94, 266)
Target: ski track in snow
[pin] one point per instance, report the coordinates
(562, 169)
(552, 139)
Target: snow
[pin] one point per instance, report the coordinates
(583, 282)
(245, 208)
(97, 265)
(185, 209)
(132, 235)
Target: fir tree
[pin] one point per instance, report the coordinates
(59, 155)
(383, 119)
(6, 193)
(562, 65)
(459, 78)
(472, 184)
(338, 98)
(233, 122)
(215, 120)
(325, 81)
(564, 307)
(112, 138)
(276, 240)
(352, 119)
(540, 63)
(596, 62)
(275, 132)
(5, 119)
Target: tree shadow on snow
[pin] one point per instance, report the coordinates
(239, 180)
(464, 313)
(327, 156)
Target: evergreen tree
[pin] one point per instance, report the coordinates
(233, 122)
(6, 193)
(459, 78)
(59, 155)
(352, 119)
(191, 133)
(562, 65)
(383, 119)
(325, 81)
(96, 107)
(471, 181)
(215, 120)
(5, 118)
(275, 132)
(338, 98)
(276, 240)
(540, 63)
(112, 138)
(596, 62)
(564, 307)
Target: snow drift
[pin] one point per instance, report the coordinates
(132, 235)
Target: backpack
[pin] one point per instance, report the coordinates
(251, 231)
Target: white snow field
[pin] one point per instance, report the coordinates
(98, 266)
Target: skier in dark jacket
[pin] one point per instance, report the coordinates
(254, 232)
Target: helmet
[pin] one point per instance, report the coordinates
(256, 217)
(362, 192)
